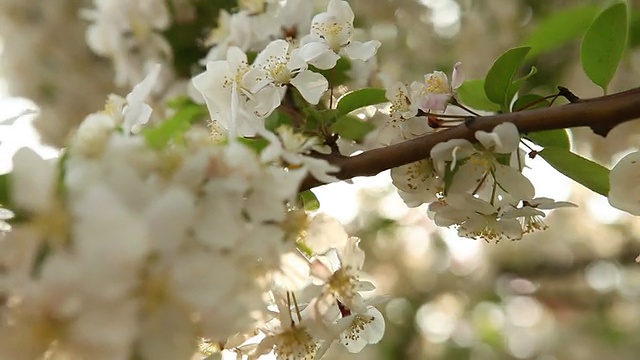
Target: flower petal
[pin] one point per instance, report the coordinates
(311, 85)
(362, 51)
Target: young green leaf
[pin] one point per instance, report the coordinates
(318, 119)
(172, 128)
(551, 138)
(360, 98)
(560, 28)
(604, 44)
(337, 75)
(471, 93)
(352, 128)
(276, 119)
(634, 29)
(309, 200)
(498, 85)
(584, 171)
(516, 84)
(5, 190)
(255, 144)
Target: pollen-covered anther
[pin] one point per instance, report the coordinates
(357, 326)
(532, 223)
(295, 343)
(343, 283)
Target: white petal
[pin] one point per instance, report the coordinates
(362, 51)
(266, 100)
(503, 139)
(276, 48)
(389, 134)
(624, 193)
(143, 89)
(236, 58)
(32, 181)
(319, 55)
(341, 10)
(255, 79)
(169, 216)
(467, 178)
(445, 151)
(311, 85)
(514, 183)
(457, 78)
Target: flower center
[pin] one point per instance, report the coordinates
(401, 102)
(343, 283)
(295, 343)
(436, 84)
(333, 33)
(418, 172)
(276, 68)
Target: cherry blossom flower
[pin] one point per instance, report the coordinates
(289, 337)
(120, 26)
(624, 193)
(530, 214)
(279, 64)
(402, 123)
(339, 271)
(361, 325)
(293, 149)
(436, 91)
(417, 182)
(474, 218)
(227, 95)
(330, 37)
(480, 169)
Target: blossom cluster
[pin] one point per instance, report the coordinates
(126, 248)
(240, 95)
(123, 250)
(477, 188)
(129, 34)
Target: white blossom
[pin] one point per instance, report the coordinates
(624, 193)
(279, 64)
(436, 91)
(331, 36)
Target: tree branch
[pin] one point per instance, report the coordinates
(600, 114)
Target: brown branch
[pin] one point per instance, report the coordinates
(600, 114)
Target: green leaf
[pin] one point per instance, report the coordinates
(316, 120)
(360, 98)
(471, 93)
(5, 190)
(337, 75)
(179, 102)
(517, 84)
(529, 101)
(560, 28)
(634, 29)
(352, 128)
(499, 80)
(173, 128)
(276, 119)
(309, 200)
(255, 144)
(551, 138)
(449, 173)
(584, 171)
(604, 44)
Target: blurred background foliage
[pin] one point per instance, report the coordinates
(570, 292)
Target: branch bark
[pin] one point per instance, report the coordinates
(600, 114)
